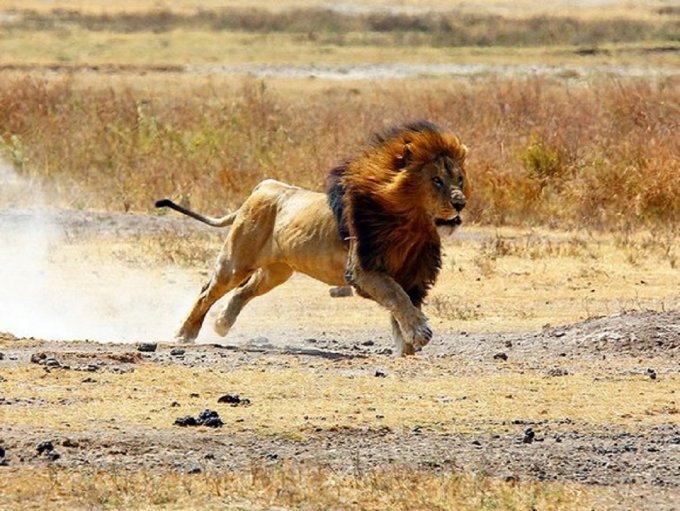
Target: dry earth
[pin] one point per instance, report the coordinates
(592, 403)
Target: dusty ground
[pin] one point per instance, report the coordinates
(590, 403)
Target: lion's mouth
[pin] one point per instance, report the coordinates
(451, 222)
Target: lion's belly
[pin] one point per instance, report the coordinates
(306, 238)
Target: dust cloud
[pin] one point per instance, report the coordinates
(51, 288)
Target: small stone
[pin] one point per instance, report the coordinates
(2, 356)
(187, 420)
(147, 347)
(176, 352)
(36, 358)
(529, 436)
(651, 373)
(53, 455)
(380, 374)
(500, 356)
(229, 398)
(2, 452)
(368, 343)
(195, 469)
(44, 447)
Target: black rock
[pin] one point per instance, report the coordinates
(2, 452)
(213, 422)
(176, 352)
(380, 374)
(500, 356)
(529, 436)
(187, 420)
(195, 469)
(44, 447)
(36, 358)
(147, 346)
(229, 398)
(53, 455)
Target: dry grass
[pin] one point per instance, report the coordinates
(301, 397)
(282, 488)
(380, 27)
(542, 151)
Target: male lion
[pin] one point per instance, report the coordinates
(375, 229)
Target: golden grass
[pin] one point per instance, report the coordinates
(600, 154)
(508, 280)
(293, 487)
(294, 397)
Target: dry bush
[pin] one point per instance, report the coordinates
(451, 28)
(543, 151)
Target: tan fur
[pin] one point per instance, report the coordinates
(281, 229)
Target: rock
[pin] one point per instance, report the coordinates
(558, 371)
(194, 469)
(234, 400)
(36, 358)
(208, 418)
(651, 373)
(368, 343)
(529, 436)
(147, 347)
(45, 447)
(2, 452)
(380, 374)
(187, 420)
(53, 455)
(229, 398)
(176, 352)
(500, 356)
(2, 356)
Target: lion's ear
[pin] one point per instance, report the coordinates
(463, 151)
(404, 158)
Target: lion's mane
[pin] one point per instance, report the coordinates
(376, 204)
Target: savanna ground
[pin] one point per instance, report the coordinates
(553, 377)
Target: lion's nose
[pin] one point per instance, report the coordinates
(458, 201)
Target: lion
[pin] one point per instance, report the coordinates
(375, 228)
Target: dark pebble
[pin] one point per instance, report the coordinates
(37, 357)
(53, 455)
(529, 436)
(147, 346)
(176, 352)
(187, 420)
(500, 356)
(195, 469)
(2, 452)
(368, 343)
(2, 356)
(45, 447)
(380, 374)
(230, 399)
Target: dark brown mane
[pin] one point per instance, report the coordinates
(378, 207)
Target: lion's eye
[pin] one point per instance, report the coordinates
(438, 182)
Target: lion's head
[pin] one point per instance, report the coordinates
(390, 198)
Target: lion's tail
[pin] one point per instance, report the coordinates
(215, 222)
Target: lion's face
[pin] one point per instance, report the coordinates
(442, 184)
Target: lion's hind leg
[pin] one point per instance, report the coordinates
(219, 285)
(262, 281)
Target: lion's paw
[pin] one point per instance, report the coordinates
(421, 336)
(182, 339)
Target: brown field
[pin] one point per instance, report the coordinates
(552, 381)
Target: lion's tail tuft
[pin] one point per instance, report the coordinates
(212, 221)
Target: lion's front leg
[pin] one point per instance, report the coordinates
(402, 348)
(387, 292)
